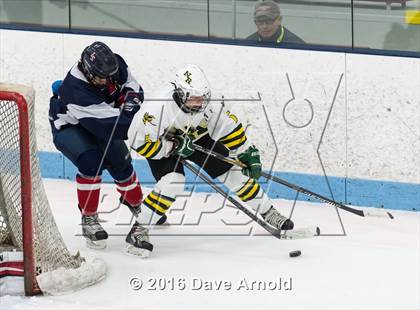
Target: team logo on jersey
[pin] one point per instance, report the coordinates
(188, 77)
(147, 118)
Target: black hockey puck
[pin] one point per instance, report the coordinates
(295, 253)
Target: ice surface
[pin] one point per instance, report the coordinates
(376, 266)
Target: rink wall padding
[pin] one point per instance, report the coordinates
(380, 194)
(345, 125)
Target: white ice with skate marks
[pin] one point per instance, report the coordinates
(192, 266)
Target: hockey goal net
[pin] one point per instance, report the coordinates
(26, 221)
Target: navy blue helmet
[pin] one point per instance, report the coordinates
(99, 61)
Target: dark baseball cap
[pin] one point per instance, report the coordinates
(268, 9)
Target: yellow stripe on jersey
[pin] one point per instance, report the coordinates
(248, 184)
(165, 200)
(158, 203)
(249, 190)
(235, 139)
(154, 207)
(252, 193)
(150, 149)
(235, 144)
(237, 131)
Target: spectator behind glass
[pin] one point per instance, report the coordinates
(267, 18)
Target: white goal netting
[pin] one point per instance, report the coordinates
(55, 269)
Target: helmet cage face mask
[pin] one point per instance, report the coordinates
(186, 95)
(191, 82)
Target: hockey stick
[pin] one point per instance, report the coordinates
(297, 188)
(293, 234)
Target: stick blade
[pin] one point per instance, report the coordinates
(378, 213)
(301, 233)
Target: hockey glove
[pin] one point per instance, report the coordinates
(251, 158)
(183, 146)
(132, 102)
(129, 100)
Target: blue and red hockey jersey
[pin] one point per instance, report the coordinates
(79, 103)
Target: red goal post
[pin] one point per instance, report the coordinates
(26, 221)
(26, 184)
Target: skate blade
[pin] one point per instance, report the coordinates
(96, 245)
(133, 251)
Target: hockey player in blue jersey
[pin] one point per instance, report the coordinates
(90, 113)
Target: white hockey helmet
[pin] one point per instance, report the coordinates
(190, 81)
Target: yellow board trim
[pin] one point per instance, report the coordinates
(161, 200)
(234, 134)
(412, 17)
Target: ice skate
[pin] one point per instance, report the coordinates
(138, 241)
(93, 232)
(274, 218)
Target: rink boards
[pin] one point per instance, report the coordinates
(344, 125)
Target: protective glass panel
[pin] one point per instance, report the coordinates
(54, 13)
(183, 17)
(293, 22)
(387, 24)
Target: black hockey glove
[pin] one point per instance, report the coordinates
(251, 158)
